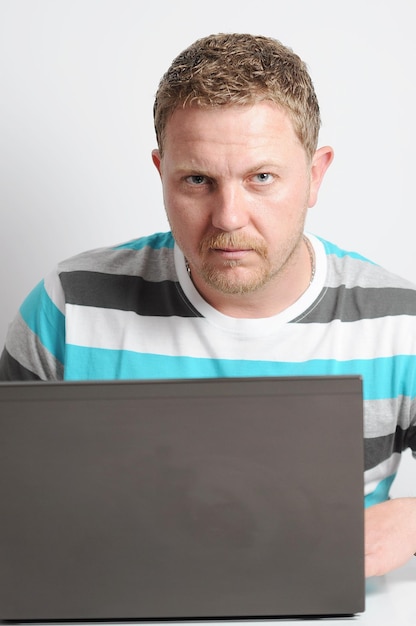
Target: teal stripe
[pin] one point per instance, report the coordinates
(156, 241)
(381, 493)
(383, 378)
(101, 364)
(336, 251)
(45, 320)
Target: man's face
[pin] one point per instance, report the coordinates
(237, 184)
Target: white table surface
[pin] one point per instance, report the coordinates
(391, 599)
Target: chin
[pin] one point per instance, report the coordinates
(232, 284)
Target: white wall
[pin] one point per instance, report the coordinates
(77, 80)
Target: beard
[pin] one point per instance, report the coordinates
(234, 277)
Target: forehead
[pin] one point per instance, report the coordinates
(231, 131)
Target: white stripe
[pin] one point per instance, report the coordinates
(125, 330)
(387, 468)
(53, 288)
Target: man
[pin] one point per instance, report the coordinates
(238, 288)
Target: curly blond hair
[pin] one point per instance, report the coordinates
(240, 69)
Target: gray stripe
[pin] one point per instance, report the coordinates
(11, 370)
(359, 273)
(24, 346)
(380, 415)
(379, 449)
(352, 305)
(126, 293)
(154, 265)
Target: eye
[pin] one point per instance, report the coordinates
(263, 177)
(196, 179)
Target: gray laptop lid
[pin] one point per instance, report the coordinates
(217, 498)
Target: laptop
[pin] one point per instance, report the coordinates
(181, 500)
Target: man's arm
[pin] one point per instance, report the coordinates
(11, 369)
(390, 535)
(35, 343)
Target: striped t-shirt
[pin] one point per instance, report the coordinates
(132, 312)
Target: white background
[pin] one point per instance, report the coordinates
(77, 81)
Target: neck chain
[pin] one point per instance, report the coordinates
(311, 258)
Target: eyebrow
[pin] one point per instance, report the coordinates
(265, 166)
(191, 169)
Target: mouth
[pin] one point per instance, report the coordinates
(231, 249)
(232, 254)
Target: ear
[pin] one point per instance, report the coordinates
(157, 160)
(321, 160)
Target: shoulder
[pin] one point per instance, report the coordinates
(352, 269)
(150, 257)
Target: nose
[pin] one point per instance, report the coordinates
(229, 208)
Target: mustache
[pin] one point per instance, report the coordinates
(221, 241)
